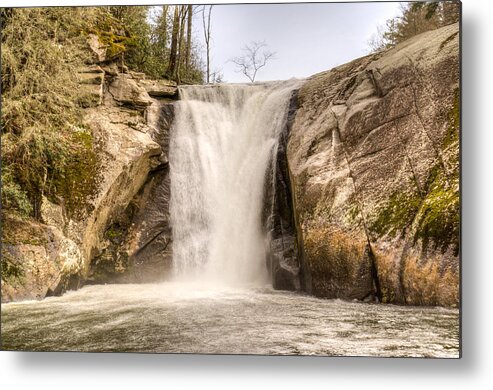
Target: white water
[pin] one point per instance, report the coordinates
(222, 141)
(184, 318)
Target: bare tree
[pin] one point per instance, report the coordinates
(256, 55)
(206, 21)
(173, 55)
(181, 42)
(189, 38)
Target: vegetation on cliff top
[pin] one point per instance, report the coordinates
(415, 18)
(41, 47)
(46, 150)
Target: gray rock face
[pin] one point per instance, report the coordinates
(49, 258)
(373, 159)
(37, 260)
(140, 237)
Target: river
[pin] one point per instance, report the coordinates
(188, 318)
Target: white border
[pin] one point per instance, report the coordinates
(474, 371)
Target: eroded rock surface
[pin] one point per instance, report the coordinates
(139, 238)
(56, 254)
(373, 156)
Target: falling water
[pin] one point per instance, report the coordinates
(221, 144)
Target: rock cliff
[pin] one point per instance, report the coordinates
(76, 238)
(373, 157)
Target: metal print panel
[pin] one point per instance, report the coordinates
(273, 179)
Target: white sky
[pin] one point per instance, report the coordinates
(307, 38)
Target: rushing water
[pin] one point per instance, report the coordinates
(176, 317)
(222, 141)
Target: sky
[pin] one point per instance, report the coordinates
(307, 38)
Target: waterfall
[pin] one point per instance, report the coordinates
(222, 141)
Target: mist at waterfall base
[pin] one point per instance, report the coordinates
(219, 299)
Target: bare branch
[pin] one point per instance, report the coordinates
(256, 55)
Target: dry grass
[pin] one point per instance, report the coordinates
(425, 284)
(335, 260)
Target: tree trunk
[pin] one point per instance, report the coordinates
(189, 39)
(207, 36)
(172, 65)
(181, 39)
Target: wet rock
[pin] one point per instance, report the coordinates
(278, 215)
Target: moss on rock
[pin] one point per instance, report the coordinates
(79, 183)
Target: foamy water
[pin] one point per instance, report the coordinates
(189, 318)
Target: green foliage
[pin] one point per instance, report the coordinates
(40, 49)
(415, 19)
(45, 149)
(143, 46)
(10, 270)
(78, 183)
(13, 197)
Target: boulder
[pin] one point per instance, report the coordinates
(97, 48)
(36, 260)
(373, 160)
(125, 90)
(160, 88)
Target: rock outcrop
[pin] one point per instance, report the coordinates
(139, 239)
(373, 156)
(125, 90)
(160, 88)
(58, 253)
